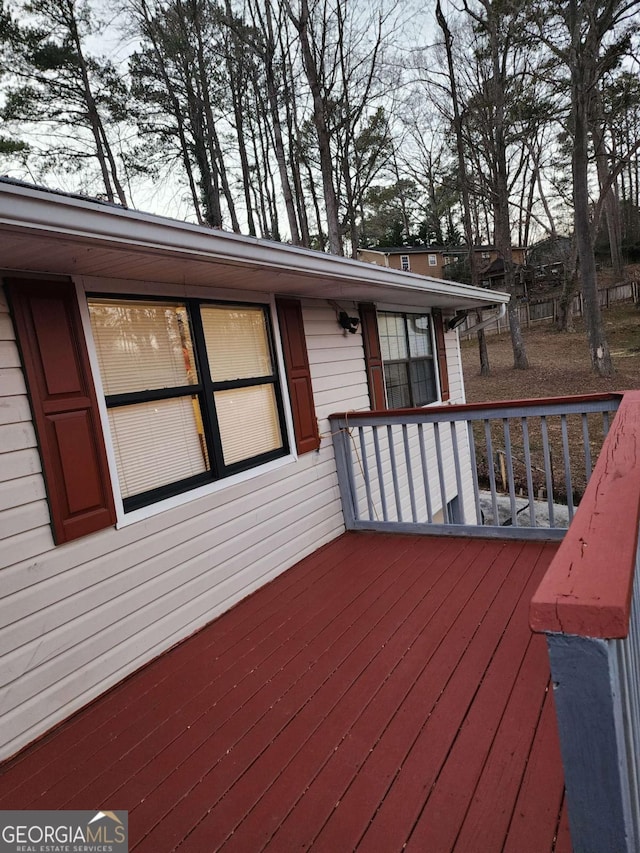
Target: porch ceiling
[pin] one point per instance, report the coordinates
(53, 233)
(385, 692)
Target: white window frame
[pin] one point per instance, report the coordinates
(405, 263)
(433, 260)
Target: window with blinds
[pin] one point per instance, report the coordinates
(191, 390)
(408, 360)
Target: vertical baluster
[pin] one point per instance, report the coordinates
(628, 662)
(512, 490)
(365, 472)
(634, 684)
(394, 472)
(474, 473)
(456, 462)
(407, 457)
(425, 474)
(492, 473)
(529, 471)
(627, 668)
(383, 495)
(587, 446)
(547, 468)
(567, 465)
(443, 491)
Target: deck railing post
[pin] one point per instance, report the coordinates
(588, 605)
(342, 451)
(589, 709)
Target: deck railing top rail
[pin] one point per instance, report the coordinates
(588, 588)
(478, 411)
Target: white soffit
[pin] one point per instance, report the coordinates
(47, 232)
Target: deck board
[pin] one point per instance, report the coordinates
(541, 791)
(467, 607)
(384, 692)
(440, 725)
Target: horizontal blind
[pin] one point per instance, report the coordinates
(157, 443)
(142, 345)
(237, 342)
(248, 422)
(393, 340)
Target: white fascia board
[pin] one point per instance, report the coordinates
(39, 211)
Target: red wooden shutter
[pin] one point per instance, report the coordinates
(372, 355)
(64, 406)
(441, 351)
(296, 361)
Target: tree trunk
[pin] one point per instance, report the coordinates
(598, 346)
(272, 95)
(326, 165)
(611, 208)
(149, 31)
(501, 197)
(216, 160)
(569, 290)
(237, 79)
(294, 158)
(483, 352)
(103, 149)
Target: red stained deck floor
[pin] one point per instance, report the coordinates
(384, 693)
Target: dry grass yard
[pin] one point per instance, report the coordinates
(559, 367)
(559, 361)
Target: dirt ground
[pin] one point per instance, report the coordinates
(559, 361)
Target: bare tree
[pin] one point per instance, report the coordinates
(496, 25)
(588, 37)
(312, 47)
(463, 179)
(56, 85)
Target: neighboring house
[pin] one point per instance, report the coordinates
(433, 260)
(165, 447)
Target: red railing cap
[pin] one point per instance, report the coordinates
(475, 407)
(588, 587)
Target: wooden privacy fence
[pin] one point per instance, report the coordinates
(547, 310)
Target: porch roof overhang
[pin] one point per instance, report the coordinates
(54, 233)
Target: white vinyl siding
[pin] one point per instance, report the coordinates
(78, 618)
(24, 512)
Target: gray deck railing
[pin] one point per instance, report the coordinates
(588, 604)
(509, 469)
